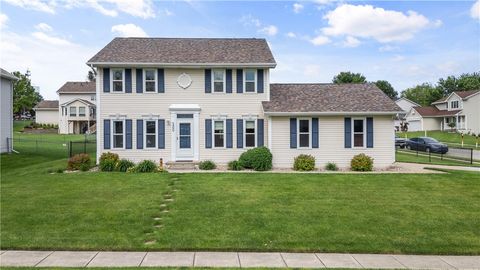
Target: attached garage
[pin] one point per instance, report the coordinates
(414, 125)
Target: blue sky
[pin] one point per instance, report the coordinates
(404, 42)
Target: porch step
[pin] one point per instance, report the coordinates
(182, 165)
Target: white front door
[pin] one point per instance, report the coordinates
(185, 137)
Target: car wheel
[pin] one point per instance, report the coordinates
(409, 147)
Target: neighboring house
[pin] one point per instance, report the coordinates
(462, 108)
(77, 108)
(6, 110)
(406, 105)
(211, 99)
(46, 112)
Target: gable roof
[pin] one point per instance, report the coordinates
(408, 100)
(86, 102)
(462, 94)
(47, 105)
(432, 111)
(7, 75)
(185, 51)
(328, 99)
(77, 87)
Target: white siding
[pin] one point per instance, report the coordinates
(331, 143)
(6, 113)
(63, 123)
(46, 116)
(471, 110)
(432, 123)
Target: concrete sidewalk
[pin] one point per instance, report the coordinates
(233, 259)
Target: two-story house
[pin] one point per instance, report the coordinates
(461, 108)
(77, 108)
(193, 99)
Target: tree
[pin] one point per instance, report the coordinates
(91, 76)
(24, 95)
(387, 88)
(423, 94)
(349, 77)
(466, 81)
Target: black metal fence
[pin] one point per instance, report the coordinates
(54, 149)
(454, 154)
(82, 147)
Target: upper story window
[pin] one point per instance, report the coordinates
(150, 134)
(218, 80)
(73, 111)
(118, 80)
(118, 133)
(358, 132)
(150, 80)
(250, 134)
(454, 104)
(250, 81)
(81, 111)
(304, 133)
(219, 133)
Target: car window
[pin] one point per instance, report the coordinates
(430, 140)
(414, 139)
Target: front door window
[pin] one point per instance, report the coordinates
(185, 135)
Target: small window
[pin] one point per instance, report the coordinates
(358, 132)
(454, 104)
(150, 80)
(81, 111)
(250, 81)
(93, 97)
(304, 133)
(150, 134)
(250, 133)
(117, 80)
(73, 111)
(218, 80)
(118, 133)
(219, 133)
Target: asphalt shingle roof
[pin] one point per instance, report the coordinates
(47, 104)
(462, 94)
(77, 87)
(328, 98)
(433, 111)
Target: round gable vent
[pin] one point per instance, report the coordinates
(184, 80)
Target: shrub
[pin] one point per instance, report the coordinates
(123, 165)
(207, 165)
(331, 166)
(258, 159)
(235, 165)
(77, 161)
(146, 166)
(85, 167)
(304, 163)
(108, 162)
(59, 170)
(361, 162)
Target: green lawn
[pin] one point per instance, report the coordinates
(450, 138)
(423, 159)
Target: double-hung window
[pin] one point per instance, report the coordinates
(250, 81)
(118, 134)
(150, 134)
(117, 80)
(81, 111)
(358, 132)
(250, 135)
(218, 80)
(73, 111)
(304, 133)
(454, 104)
(219, 133)
(150, 80)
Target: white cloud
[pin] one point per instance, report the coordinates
(297, 7)
(137, 8)
(351, 42)
(249, 20)
(168, 12)
(41, 36)
(475, 10)
(398, 58)
(388, 48)
(128, 30)
(291, 35)
(320, 40)
(312, 70)
(38, 5)
(3, 20)
(43, 27)
(366, 21)
(270, 30)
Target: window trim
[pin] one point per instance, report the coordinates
(309, 133)
(113, 134)
(245, 81)
(145, 134)
(84, 111)
(456, 103)
(224, 133)
(245, 132)
(112, 80)
(70, 111)
(224, 81)
(145, 80)
(364, 119)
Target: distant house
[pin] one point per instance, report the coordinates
(46, 112)
(6, 110)
(461, 108)
(406, 105)
(77, 108)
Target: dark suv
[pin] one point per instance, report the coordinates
(427, 144)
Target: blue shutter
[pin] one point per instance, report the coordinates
(128, 135)
(348, 132)
(139, 80)
(228, 86)
(240, 81)
(260, 81)
(106, 134)
(208, 133)
(139, 134)
(161, 80)
(128, 80)
(315, 133)
(161, 133)
(293, 132)
(260, 133)
(239, 133)
(106, 80)
(229, 124)
(369, 132)
(208, 80)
